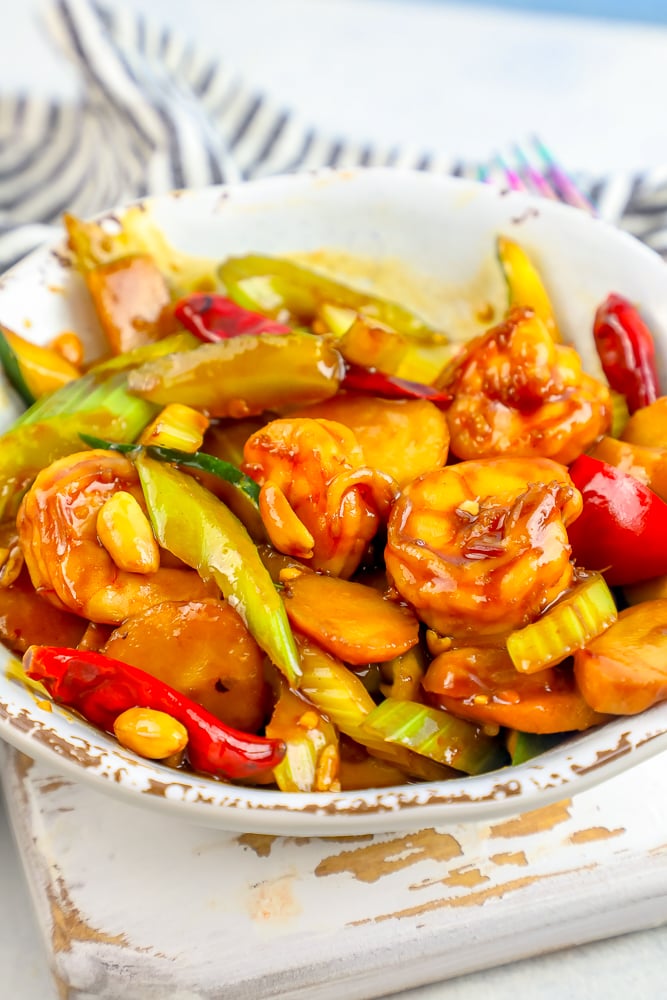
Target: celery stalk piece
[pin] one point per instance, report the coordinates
(200, 530)
(571, 623)
(435, 734)
(340, 695)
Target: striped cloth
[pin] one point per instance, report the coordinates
(157, 114)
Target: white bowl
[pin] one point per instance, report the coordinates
(444, 230)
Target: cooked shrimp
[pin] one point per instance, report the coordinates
(480, 548)
(517, 392)
(57, 529)
(318, 499)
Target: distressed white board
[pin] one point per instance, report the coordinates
(137, 905)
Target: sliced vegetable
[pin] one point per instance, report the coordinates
(627, 352)
(524, 284)
(624, 670)
(483, 685)
(435, 734)
(203, 533)
(568, 625)
(51, 428)
(302, 290)
(243, 375)
(214, 317)
(349, 620)
(101, 688)
(622, 529)
(341, 696)
(223, 668)
(375, 383)
(312, 757)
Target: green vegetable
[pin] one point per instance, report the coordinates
(197, 460)
(12, 369)
(51, 428)
(435, 734)
(568, 625)
(200, 530)
(244, 375)
(302, 291)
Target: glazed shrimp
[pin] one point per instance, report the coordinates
(481, 548)
(318, 500)
(516, 392)
(68, 565)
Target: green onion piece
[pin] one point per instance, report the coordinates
(620, 414)
(198, 460)
(202, 532)
(525, 746)
(12, 369)
(570, 624)
(51, 428)
(435, 734)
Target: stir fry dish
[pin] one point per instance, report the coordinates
(286, 532)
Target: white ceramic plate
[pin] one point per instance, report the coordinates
(444, 230)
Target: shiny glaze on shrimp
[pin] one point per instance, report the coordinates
(318, 500)
(57, 530)
(516, 392)
(481, 548)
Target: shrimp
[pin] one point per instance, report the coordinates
(318, 500)
(57, 531)
(516, 392)
(481, 548)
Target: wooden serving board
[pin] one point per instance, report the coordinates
(136, 904)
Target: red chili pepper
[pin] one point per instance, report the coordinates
(374, 383)
(627, 352)
(215, 317)
(100, 688)
(622, 529)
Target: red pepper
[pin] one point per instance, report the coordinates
(100, 688)
(215, 317)
(622, 529)
(374, 383)
(627, 352)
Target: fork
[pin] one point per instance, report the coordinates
(537, 171)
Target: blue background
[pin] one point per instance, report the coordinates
(651, 11)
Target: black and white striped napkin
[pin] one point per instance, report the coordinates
(155, 114)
